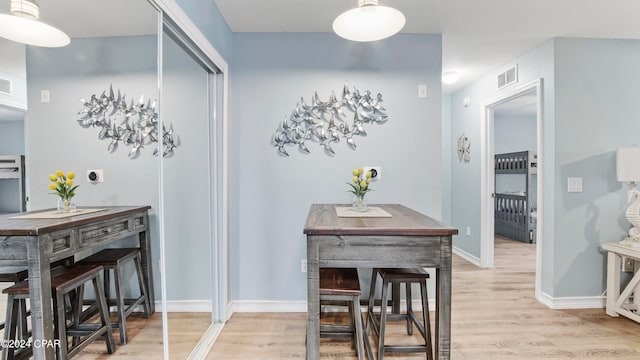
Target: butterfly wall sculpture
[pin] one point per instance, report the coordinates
(133, 124)
(329, 122)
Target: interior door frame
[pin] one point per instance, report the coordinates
(488, 175)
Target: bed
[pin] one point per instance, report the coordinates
(515, 213)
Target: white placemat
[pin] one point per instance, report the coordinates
(372, 211)
(55, 214)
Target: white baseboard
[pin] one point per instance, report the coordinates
(466, 256)
(185, 306)
(569, 302)
(251, 306)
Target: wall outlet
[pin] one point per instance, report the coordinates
(468, 230)
(303, 265)
(375, 171)
(95, 176)
(627, 264)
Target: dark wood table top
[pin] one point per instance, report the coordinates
(35, 227)
(323, 220)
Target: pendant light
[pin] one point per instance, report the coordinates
(369, 22)
(23, 25)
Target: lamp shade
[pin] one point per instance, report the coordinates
(23, 25)
(628, 164)
(369, 23)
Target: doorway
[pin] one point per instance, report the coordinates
(532, 94)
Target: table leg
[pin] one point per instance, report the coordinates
(40, 299)
(313, 299)
(443, 307)
(614, 265)
(146, 261)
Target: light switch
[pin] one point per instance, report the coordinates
(422, 91)
(574, 184)
(44, 96)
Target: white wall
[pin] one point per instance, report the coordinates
(270, 195)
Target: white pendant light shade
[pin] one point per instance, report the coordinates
(450, 77)
(24, 26)
(369, 22)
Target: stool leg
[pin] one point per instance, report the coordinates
(122, 314)
(425, 316)
(22, 317)
(143, 286)
(383, 318)
(357, 316)
(370, 315)
(77, 303)
(10, 326)
(104, 315)
(407, 287)
(61, 326)
(107, 286)
(352, 325)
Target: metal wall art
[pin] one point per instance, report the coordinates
(464, 148)
(327, 122)
(134, 125)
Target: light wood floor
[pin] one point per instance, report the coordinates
(494, 317)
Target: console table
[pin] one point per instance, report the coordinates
(618, 302)
(406, 239)
(37, 242)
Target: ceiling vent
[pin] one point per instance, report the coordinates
(508, 77)
(5, 86)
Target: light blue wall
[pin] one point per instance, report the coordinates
(186, 194)
(465, 176)
(270, 195)
(447, 157)
(590, 110)
(11, 137)
(597, 89)
(13, 68)
(206, 16)
(513, 134)
(55, 140)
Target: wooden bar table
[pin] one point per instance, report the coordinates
(36, 239)
(405, 239)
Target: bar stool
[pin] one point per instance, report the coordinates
(343, 285)
(115, 260)
(407, 277)
(15, 274)
(64, 283)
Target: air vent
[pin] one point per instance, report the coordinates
(5, 86)
(508, 77)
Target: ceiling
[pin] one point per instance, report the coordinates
(94, 19)
(477, 36)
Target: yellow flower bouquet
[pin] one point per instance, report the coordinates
(62, 186)
(360, 187)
